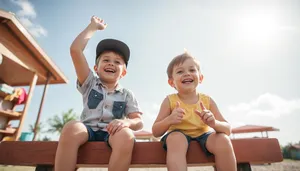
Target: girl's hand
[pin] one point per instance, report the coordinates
(176, 115)
(207, 116)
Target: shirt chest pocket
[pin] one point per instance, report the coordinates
(118, 109)
(94, 99)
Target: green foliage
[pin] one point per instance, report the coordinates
(286, 153)
(39, 129)
(57, 123)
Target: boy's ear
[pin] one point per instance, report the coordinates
(171, 82)
(95, 68)
(124, 72)
(201, 78)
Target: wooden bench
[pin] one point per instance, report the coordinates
(145, 154)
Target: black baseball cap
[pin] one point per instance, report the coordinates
(115, 46)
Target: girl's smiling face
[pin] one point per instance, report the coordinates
(185, 76)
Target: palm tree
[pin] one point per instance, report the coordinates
(39, 129)
(58, 121)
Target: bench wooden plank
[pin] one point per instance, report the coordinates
(253, 150)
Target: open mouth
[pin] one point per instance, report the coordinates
(187, 81)
(109, 70)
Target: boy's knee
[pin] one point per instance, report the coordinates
(73, 131)
(176, 138)
(125, 134)
(223, 138)
(124, 139)
(223, 142)
(71, 127)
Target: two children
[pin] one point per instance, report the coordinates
(111, 112)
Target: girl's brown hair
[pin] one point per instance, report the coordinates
(179, 60)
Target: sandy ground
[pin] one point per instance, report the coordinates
(287, 165)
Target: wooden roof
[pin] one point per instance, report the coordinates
(253, 128)
(22, 56)
(295, 146)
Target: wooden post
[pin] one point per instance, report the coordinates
(1, 58)
(44, 168)
(243, 167)
(28, 100)
(41, 107)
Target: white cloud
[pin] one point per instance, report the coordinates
(267, 105)
(27, 9)
(38, 31)
(267, 110)
(26, 22)
(26, 14)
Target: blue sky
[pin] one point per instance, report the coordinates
(248, 50)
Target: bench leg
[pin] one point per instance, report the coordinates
(243, 167)
(44, 168)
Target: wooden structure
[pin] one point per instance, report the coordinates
(294, 151)
(24, 63)
(253, 129)
(145, 154)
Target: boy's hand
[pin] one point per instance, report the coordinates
(98, 23)
(176, 115)
(116, 125)
(207, 117)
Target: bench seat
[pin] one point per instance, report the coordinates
(145, 154)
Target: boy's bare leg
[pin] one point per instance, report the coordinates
(73, 135)
(220, 145)
(122, 143)
(176, 154)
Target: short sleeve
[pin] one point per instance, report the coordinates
(87, 84)
(132, 104)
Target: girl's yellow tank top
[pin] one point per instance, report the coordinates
(191, 124)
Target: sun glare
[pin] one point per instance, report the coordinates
(258, 26)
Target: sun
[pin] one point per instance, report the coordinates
(257, 26)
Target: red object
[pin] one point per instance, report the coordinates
(23, 97)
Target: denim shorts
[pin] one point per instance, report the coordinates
(201, 140)
(97, 135)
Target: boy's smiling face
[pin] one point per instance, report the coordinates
(110, 68)
(185, 76)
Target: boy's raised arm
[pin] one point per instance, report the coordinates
(79, 44)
